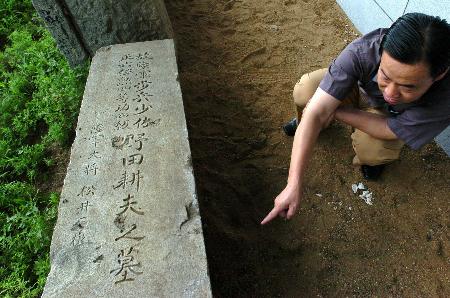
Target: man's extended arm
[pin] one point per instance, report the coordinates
(316, 116)
(373, 124)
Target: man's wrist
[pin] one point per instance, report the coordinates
(293, 184)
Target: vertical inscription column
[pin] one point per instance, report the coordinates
(128, 222)
(88, 183)
(132, 118)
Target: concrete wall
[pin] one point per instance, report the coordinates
(368, 15)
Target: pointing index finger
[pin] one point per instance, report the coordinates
(272, 214)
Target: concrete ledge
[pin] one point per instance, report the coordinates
(444, 140)
(128, 220)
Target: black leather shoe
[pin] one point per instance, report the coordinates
(371, 172)
(290, 127)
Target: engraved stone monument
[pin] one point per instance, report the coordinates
(128, 220)
(82, 27)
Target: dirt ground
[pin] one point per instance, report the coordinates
(238, 62)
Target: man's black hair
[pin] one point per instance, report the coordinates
(416, 37)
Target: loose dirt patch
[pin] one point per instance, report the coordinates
(238, 63)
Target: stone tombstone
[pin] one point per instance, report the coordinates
(62, 29)
(128, 220)
(80, 28)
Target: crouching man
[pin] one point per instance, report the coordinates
(391, 85)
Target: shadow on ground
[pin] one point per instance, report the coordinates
(238, 61)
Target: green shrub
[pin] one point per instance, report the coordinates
(40, 98)
(27, 220)
(40, 102)
(14, 14)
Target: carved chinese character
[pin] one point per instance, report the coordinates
(121, 97)
(124, 86)
(128, 179)
(87, 191)
(143, 74)
(142, 64)
(91, 169)
(95, 135)
(94, 154)
(123, 115)
(126, 264)
(129, 204)
(121, 124)
(133, 159)
(131, 141)
(125, 69)
(145, 122)
(144, 56)
(127, 236)
(78, 238)
(94, 139)
(141, 109)
(138, 140)
(84, 206)
(143, 95)
(142, 85)
(126, 57)
(122, 107)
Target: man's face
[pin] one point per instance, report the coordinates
(402, 83)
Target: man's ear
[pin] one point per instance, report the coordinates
(441, 76)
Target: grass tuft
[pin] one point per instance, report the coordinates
(40, 97)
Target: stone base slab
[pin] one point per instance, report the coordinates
(128, 220)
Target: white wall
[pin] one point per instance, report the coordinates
(368, 15)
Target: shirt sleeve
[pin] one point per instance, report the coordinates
(343, 73)
(418, 125)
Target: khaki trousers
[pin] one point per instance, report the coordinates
(369, 150)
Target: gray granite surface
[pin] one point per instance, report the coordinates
(128, 221)
(62, 30)
(82, 27)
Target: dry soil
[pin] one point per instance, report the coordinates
(238, 62)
